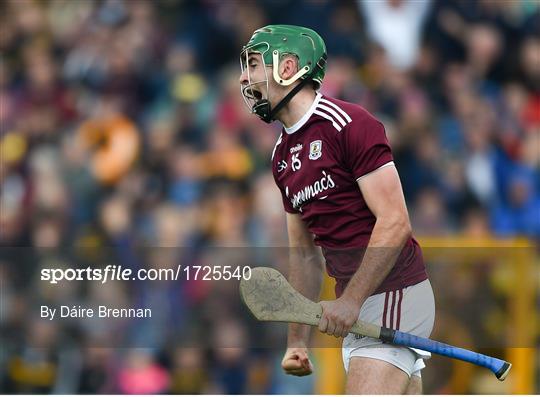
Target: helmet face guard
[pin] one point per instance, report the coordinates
(255, 99)
(271, 44)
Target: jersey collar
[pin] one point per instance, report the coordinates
(299, 124)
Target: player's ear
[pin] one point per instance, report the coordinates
(288, 67)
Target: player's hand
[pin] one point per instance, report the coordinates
(338, 316)
(296, 362)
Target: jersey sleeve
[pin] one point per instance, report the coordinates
(365, 146)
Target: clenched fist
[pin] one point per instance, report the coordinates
(296, 362)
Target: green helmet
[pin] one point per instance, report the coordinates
(275, 41)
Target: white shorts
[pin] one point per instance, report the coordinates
(411, 310)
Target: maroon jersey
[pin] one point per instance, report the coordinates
(316, 165)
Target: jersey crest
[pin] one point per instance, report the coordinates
(315, 150)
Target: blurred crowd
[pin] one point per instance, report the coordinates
(122, 125)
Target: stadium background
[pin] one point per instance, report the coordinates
(122, 125)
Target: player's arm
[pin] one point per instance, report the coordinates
(383, 194)
(305, 275)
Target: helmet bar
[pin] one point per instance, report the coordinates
(279, 80)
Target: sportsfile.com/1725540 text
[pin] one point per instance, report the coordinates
(123, 273)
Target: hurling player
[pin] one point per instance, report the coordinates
(342, 193)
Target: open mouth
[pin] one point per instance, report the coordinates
(253, 94)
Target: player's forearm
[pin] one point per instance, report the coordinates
(305, 275)
(387, 240)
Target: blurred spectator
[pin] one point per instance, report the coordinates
(140, 374)
(34, 370)
(429, 214)
(96, 372)
(113, 143)
(389, 20)
(189, 375)
(230, 360)
(520, 215)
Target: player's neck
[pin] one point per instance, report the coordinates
(297, 107)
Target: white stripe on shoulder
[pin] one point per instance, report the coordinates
(326, 116)
(390, 163)
(276, 145)
(333, 113)
(340, 110)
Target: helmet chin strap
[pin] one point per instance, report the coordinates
(264, 110)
